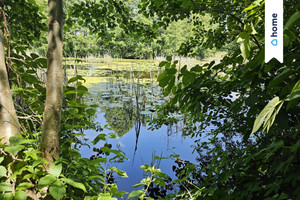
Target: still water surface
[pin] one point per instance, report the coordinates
(127, 95)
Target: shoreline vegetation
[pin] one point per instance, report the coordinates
(100, 68)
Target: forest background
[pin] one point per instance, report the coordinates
(253, 151)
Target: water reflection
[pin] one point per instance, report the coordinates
(126, 92)
(127, 96)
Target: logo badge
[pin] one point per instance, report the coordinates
(274, 30)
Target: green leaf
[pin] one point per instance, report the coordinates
(114, 190)
(295, 93)
(101, 136)
(296, 87)
(74, 183)
(3, 171)
(271, 118)
(29, 141)
(163, 63)
(169, 58)
(34, 56)
(250, 29)
(158, 3)
(14, 149)
(160, 174)
(159, 181)
(32, 153)
(70, 92)
(30, 78)
(171, 71)
(1, 159)
(138, 185)
(292, 96)
(164, 82)
(243, 39)
(159, 158)
(57, 190)
(82, 89)
(135, 193)
(118, 153)
(76, 78)
(292, 104)
(15, 140)
(250, 7)
(20, 195)
(6, 196)
(5, 187)
(119, 172)
(47, 180)
(280, 77)
(106, 196)
(91, 111)
(197, 68)
(25, 185)
(269, 108)
(42, 62)
(146, 168)
(175, 156)
(294, 18)
(55, 169)
(188, 78)
(28, 176)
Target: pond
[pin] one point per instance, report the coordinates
(127, 94)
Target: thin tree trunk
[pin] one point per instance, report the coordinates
(9, 125)
(54, 86)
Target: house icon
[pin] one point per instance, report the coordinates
(274, 42)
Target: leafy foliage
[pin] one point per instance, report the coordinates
(223, 100)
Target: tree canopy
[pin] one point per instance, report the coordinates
(237, 96)
(247, 110)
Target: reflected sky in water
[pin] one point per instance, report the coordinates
(117, 93)
(150, 143)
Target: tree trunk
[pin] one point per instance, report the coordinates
(54, 85)
(9, 125)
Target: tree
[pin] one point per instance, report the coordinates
(9, 121)
(31, 170)
(55, 80)
(9, 124)
(232, 97)
(229, 96)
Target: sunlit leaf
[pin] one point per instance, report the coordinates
(106, 196)
(14, 149)
(3, 171)
(99, 137)
(243, 39)
(74, 183)
(119, 172)
(24, 185)
(5, 187)
(20, 195)
(55, 169)
(295, 93)
(267, 111)
(47, 180)
(135, 193)
(57, 190)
